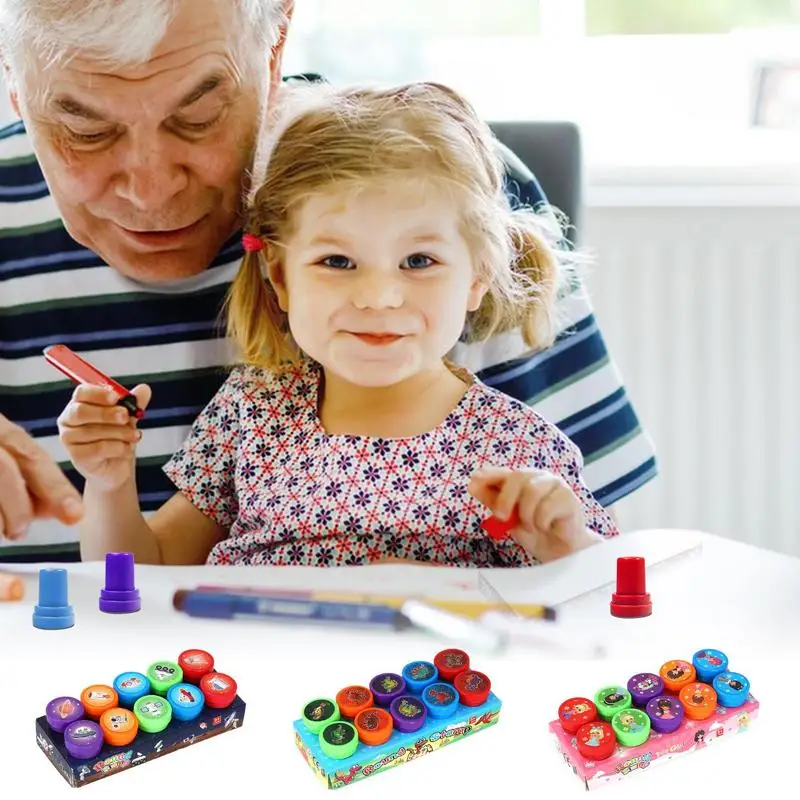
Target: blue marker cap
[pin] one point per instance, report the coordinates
(187, 701)
(732, 689)
(130, 686)
(708, 664)
(441, 700)
(419, 674)
(53, 611)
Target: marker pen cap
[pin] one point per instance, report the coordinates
(450, 662)
(644, 686)
(611, 699)
(441, 700)
(419, 674)
(386, 687)
(153, 712)
(187, 701)
(53, 611)
(596, 740)
(83, 739)
(219, 689)
(119, 726)
(63, 711)
(320, 712)
(473, 687)
(576, 712)
(631, 727)
(732, 689)
(408, 713)
(666, 713)
(699, 700)
(374, 726)
(130, 686)
(338, 740)
(352, 700)
(195, 664)
(709, 664)
(97, 699)
(677, 674)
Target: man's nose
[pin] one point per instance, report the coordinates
(377, 289)
(151, 176)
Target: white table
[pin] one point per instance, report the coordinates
(707, 592)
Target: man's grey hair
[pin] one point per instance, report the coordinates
(115, 32)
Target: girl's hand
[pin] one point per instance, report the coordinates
(100, 436)
(551, 520)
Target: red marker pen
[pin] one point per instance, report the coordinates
(82, 372)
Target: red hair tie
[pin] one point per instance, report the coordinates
(252, 243)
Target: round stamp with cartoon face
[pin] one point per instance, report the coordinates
(708, 664)
(576, 712)
(732, 689)
(338, 739)
(450, 662)
(387, 687)
(611, 699)
(666, 713)
(318, 713)
(352, 700)
(596, 740)
(408, 713)
(631, 727)
(419, 674)
(644, 687)
(374, 726)
(699, 700)
(441, 700)
(473, 687)
(677, 674)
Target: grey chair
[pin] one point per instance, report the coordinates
(552, 151)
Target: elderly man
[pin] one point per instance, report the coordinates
(119, 196)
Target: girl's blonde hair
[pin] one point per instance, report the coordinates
(323, 138)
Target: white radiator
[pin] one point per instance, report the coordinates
(700, 309)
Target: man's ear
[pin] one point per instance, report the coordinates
(276, 54)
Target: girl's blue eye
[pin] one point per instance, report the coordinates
(337, 262)
(417, 261)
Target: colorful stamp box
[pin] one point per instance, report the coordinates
(138, 717)
(654, 718)
(395, 718)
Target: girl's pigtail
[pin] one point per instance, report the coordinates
(538, 274)
(254, 317)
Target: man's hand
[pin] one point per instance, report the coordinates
(31, 484)
(551, 519)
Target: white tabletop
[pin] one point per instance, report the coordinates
(706, 591)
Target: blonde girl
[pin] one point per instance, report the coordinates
(379, 241)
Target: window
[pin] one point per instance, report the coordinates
(661, 83)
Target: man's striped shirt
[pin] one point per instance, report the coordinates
(53, 290)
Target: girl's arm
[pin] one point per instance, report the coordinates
(177, 534)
